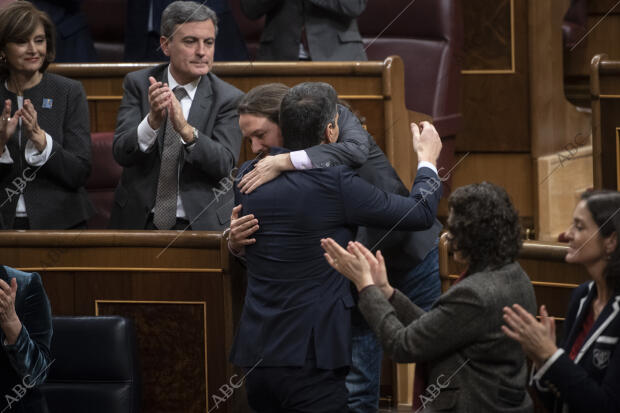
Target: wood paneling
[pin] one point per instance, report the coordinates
(177, 287)
(562, 178)
(511, 171)
(605, 91)
(488, 35)
(171, 336)
(554, 120)
(495, 105)
(374, 89)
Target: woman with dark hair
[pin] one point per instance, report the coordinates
(583, 374)
(25, 337)
(45, 148)
(472, 366)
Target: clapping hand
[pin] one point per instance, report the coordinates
(426, 142)
(31, 125)
(8, 124)
(536, 338)
(159, 100)
(358, 264)
(9, 322)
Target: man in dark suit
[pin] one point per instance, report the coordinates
(294, 332)
(308, 29)
(73, 40)
(177, 136)
(412, 256)
(142, 31)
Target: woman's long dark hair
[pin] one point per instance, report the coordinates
(604, 206)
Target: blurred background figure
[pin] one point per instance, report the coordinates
(308, 29)
(73, 39)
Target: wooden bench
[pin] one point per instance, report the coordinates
(605, 93)
(374, 89)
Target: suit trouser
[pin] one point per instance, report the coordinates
(423, 287)
(297, 389)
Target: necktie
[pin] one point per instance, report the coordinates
(165, 210)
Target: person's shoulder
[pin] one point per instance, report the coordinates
(582, 290)
(23, 278)
(156, 71)
(222, 87)
(62, 82)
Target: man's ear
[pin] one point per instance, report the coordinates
(163, 42)
(331, 134)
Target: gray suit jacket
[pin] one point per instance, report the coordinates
(331, 28)
(205, 169)
(473, 364)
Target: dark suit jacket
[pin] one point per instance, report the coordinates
(54, 193)
(476, 367)
(30, 355)
(204, 182)
(403, 250)
(292, 293)
(590, 383)
(142, 46)
(331, 28)
(73, 41)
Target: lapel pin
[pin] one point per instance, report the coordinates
(47, 103)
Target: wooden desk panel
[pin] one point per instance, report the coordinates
(184, 301)
(374, 89)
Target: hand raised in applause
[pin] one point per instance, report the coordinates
(352, 264)
(536, 338)
(8, 124)
(175, 115)
(426, 142)
(159, 100)
(31, 126)
(9, 321)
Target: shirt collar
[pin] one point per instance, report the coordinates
(190, 88)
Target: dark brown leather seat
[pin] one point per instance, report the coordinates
(428, 36)
(106, 19)
(103, 179)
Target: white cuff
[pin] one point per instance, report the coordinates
(146, 135)
(300, 160)
(548, 364)
(6, 156)
(425, 164)
(36, 158)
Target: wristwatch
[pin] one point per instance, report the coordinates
(195, 135)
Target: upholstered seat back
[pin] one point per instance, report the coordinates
(428, 36)
(95, 367)
(103, 179)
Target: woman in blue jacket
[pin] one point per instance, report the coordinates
(25, 336)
